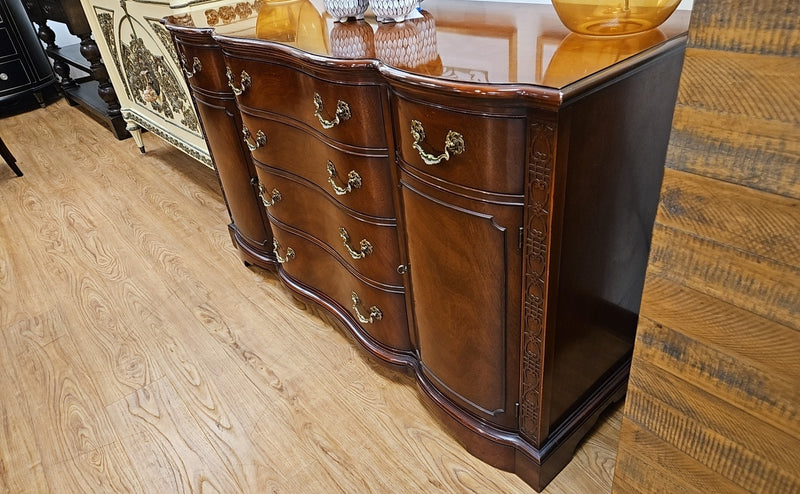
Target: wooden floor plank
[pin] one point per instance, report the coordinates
(21, 468)
(70, 424)
(165, 445)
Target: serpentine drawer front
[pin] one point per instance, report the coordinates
(380, 312)
(358, 181)
(470, 193)
(462, 146)
(350, 114)
(370, 246)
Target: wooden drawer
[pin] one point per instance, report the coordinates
(291, 93)
(13, 75)
(312, 266)
(374, 246)
(203, 66)
(361, 183)
(485, 153)
(7, 48)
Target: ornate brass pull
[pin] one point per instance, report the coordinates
(453, 143)
(375, 313)
(246, 81)
(196, 66)
(353, 180)
(274, 199)
(261, 139)
(342, 112)
(289, 252)
(366, 247)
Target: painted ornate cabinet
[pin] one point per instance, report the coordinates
(470, 192)
(145, 70)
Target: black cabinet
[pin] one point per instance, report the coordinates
(24, 67)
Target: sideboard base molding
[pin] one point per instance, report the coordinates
(250, 254)
(510, 452)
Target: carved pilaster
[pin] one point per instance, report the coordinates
(538, 190)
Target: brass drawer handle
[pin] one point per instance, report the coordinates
(261, 139)
(196, 66)
(353, 180)
(366, 247)
(289, 252)
(342, 112)
(375, 313)
(453, 143)
(246, 81)
(274, 199)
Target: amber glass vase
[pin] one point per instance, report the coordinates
(294, 22)
(613, 17)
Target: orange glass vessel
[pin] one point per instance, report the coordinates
(613, 17)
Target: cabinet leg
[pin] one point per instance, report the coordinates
(62, 70)
(136, 133)
(40, 98)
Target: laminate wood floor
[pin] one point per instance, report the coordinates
(138, 353)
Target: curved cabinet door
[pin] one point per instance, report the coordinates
(236, 173)
(464, 261)
(222, 125)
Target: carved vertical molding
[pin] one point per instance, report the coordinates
(538, 186)
(105, 18)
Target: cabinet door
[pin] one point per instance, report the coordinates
(222, 125)
(464, 266)
(236, 172)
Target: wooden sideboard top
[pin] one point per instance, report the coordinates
(452, 41)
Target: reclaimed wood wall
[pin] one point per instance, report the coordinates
(714, 397)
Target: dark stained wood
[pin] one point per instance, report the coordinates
(94, 93)
(510, 268)
(714, 401)
(222, 128)
(24, 66)
(371, 166)
(307, 210)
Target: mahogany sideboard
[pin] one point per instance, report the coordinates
(471, 193)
